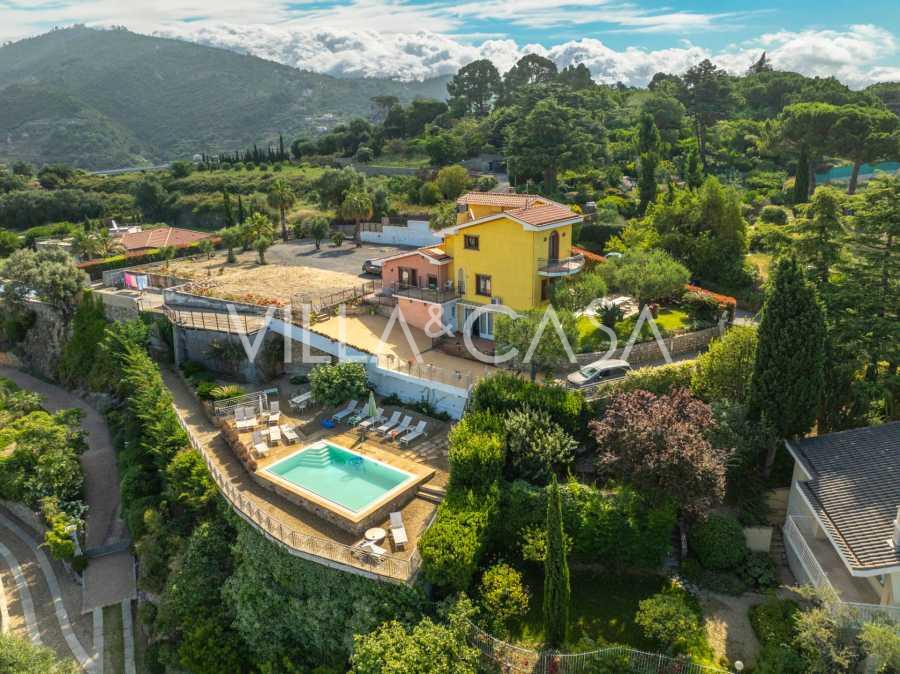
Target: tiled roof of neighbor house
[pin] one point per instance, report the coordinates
(501, 199)
(543, 215)
(434, 252)
(163, 236)
(855, 490)
(588, 255)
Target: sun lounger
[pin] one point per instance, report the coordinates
(366, 424)
(260, 446)
(244, 419)
(398, 531)
(290, 436)
(274, 434)
(401, 429)
(389, 424)
(347, 411)
(419, 430)
(274, 415)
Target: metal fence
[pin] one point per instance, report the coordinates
(258, 400)
(215, 321)
(331, 553)
(513, 658)
(427, 371)
(320, 303)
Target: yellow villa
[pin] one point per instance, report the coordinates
(505, 249)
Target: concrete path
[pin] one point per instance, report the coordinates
(108, 580)
(25, 601)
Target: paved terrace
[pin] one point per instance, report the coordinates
(297, 530)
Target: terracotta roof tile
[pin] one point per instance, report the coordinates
(163, 236)
(501, 199)
(543, 215)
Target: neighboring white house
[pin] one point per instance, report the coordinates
(843, 523)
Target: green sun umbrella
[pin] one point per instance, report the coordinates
(371, 409)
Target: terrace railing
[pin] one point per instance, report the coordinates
(328, 552)
(320, 302)
(561, 266)
(512, 658)
(818, 578)
(258, 400)
(426, 371)
(439, 295)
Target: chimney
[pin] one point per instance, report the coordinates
(895, 539)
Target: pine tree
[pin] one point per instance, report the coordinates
(801, 181)
(788, 375)
(821, 233)
(557, 589)
(693, 172)
(647, 181)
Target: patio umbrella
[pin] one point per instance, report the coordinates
(371, 409)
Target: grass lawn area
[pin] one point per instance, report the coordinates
(113, 644)
(603, 608)
(392, 161)
(602, 612)
(668, 320)
(761, 261)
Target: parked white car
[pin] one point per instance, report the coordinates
(598, 372)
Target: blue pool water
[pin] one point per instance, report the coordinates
(341, 476)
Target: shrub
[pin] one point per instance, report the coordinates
(773, 620)
(453, 546)
(719, 543)
(191, 367)
(505, 392)
(758, 571)
(486, 183)
(338, 383)
(429, 194)
(476, 450)
(337, 238)
(766, 238)
(364, 154)
(504, 597)
(774, 215)
(723, 582)
(658, 380)
(702, 308)
(536, 446)
(225, 392)
(672, 618)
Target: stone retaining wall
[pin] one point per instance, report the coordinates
(644, 353)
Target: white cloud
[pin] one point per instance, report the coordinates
(852, 55)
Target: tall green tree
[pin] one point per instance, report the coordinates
(708, 98)
(864, 135)
(821, 234)
(649, 149)
(475, 87)
(549, 139)
(281, 196)
(801, 177)
(557, 587)
(693, 170)
(788, 373)
(357, 206)
(530, 69)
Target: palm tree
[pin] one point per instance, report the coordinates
(231, 239)
(262, 245)
(282, 197)
(356, 206)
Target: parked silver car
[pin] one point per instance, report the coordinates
(598, 372)
(373, 266)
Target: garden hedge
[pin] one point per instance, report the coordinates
(476, 456)
(718, 543)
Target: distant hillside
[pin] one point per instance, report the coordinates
(108, 98)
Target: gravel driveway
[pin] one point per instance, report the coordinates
(346, 258)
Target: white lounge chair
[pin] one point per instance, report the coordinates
(398, 531)
(389, 424)
(290, 436)
(244, 419)
(347, 411)
(300, 402)
(274, 435)
(274, 415)
(413, 434)
(260, 446)
(366, 424)
(401, 429)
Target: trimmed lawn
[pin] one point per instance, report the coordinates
(399, 161)
(113, 635)
(668, 320)
(761, 261)
(603, 608)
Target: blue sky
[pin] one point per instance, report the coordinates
(623, 40)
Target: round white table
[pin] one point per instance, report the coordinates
(375, 534)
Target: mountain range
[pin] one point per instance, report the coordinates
(100, 99)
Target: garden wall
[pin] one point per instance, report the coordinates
(416, 233)
(644, 353)
(42, 346)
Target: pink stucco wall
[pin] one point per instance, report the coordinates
(390, 273)
(419, 314)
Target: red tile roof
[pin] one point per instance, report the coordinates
(161, 237)
(434, 252)
(588, 255)
(543, 214)
(501, 199)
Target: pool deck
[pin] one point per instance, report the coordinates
(261, 507)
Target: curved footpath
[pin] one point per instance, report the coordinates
(38, 598)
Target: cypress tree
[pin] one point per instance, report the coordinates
(693, 172)
(557, 590)
(647, 181)
(281, 153)
(241, 215)
(788, 375)
(801, 181)
(229, 213)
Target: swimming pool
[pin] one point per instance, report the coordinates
(345, 478)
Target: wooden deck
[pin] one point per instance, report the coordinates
(298, 531)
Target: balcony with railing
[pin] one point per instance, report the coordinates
(562, 267)
(437, 294)
(815, 562)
